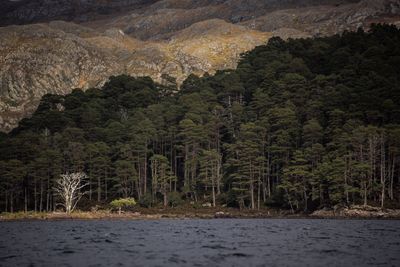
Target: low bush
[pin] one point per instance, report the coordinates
(175, 199)
(123, 203)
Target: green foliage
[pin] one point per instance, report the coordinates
(123, 203)
(175, 199)
(300, 124)
(146, 201)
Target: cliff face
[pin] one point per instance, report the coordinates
(38, 59)
(327, 19)
(139, 37)
(58, 57)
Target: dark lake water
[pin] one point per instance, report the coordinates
(219, 242)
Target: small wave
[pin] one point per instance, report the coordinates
(8, 257)
(329, 251)
(215, 247)
(130, 251)
(236, 254)
(176, 260)
(320, 237)
(241, 255)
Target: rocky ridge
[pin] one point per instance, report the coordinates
(174, 37)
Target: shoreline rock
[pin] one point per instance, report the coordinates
(357, 211)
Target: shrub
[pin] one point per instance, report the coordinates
(146, 201)
(222, 199)
(174, 199)
(231, 199)
(123, 203)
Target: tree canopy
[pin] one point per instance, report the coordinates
(300, 124)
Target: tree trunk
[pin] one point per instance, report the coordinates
(171, 156)
(252, 195)
(372, 159)
(98, 188)
(176, 173)
(364, 178)
(346, 192)
(25, 201)
(47, 201)
(165, 199)
(290, 202)
(41, 196)
(269, 185)
(139, 183)
(48, 194)
(213, 192)
(35, 197)
(383, 171)
(252, 186)
(349, 179)
(391, 177)
(145, 170)
(90, 176)
(365, 193)
(137, 188)
(6, 208)
(105, 185)
(54, 202)
(219, 175)
(11, 203)
(186, 169)
(259, 192)
(241, 203)
(305, 198)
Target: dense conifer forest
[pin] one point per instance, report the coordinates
(300, 125)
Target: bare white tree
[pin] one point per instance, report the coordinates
(69, 188)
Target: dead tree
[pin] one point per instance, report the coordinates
(69, 188)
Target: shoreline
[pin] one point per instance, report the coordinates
(357, 212)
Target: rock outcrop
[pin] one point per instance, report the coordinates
(58, 57)
(97, 39)
(325, 20)
(38, 59)
(357, 211)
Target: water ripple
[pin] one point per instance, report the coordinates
(227, 242)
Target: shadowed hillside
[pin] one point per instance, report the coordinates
(150, 38)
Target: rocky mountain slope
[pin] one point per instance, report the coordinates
(33, 11)
(138, 37)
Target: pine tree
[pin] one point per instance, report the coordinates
(127, 178)
(296, 181)
(210, 171)
(161, 176)
(246, 159)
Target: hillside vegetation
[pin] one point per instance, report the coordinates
(62, 45)
(300, 124)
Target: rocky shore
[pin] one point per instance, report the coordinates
(353, 212)
(357, 211)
